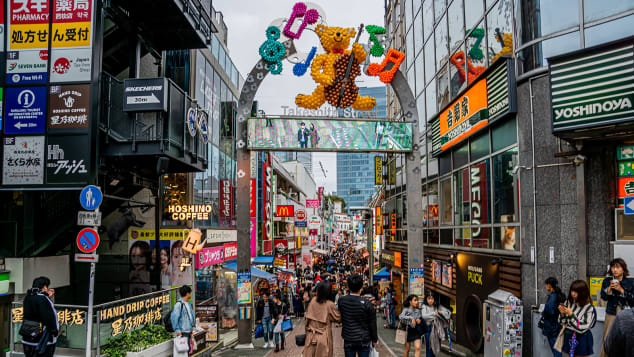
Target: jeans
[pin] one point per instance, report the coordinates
(428, 351)
(354, 349)
(31, 351)
(268, 329)
(279, 336)
(392, 317)
(551, 343)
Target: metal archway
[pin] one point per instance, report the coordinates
(407, 102)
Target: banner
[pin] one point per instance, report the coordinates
(226, 199)
(267, 209)
(23, 160)
(416, 281)
(210, 256)
(378, 170)
(71, 47)
(312, 203)
(27, 48)
(68, 106)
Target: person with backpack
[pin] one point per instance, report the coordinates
(182, 315)
(39, 311)
(549, 322)
(578, 317)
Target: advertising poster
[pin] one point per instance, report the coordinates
(327, 135)
(23, 160)
(25, 110)
(27, 49)
(436, 271)
(446, 275)
(67, 159)
(244, 288)
(68, 106)
(71, 47)
(417, 281)
(1, 105)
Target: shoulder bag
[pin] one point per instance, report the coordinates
(401, 333)
(559, 343)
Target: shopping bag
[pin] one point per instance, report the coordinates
(401, 333)
(259, 331)
(278, 327)
(559, 343)
(374, 352)
(287, 325)
(181, 345)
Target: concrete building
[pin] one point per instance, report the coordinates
(524, 168)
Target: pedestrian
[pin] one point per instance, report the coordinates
(411, 316)
(550, 316)
(39, 311)
(314, 136)
(358, 319)
(182, 316)
(578, 316)
(265, 314)
(613, 291)
(620, 341)
(391, 298)
(432, 311)
(321, 313)
(282, 310)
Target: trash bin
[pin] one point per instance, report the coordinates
(502, 325)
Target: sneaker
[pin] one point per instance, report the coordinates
(266, 345)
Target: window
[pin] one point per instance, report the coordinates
(461, 156)
(461, 207)
(439, 8)
(462, 237)
(445, 163)
(500, 30)
(441, 42)
(476, 49)
(456, 23)
(432, 208)
(428, 20)
(407, 7)
(473, 12)
(443, 87)
(430, 63)
(479, 184)
(598, 9)
(608, 31)
(418, 32)
(504, 135)
(559, 45)
(506, 238)
(445, 202)
(557, 15)
(446, 237)
(430, 99)
(479, 146)
(458, 73)
(505, 200)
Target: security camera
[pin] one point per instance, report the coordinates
(515, 170)
(579, 159)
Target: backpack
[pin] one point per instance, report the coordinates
(167, 319)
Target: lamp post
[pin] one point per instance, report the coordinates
(367, 215)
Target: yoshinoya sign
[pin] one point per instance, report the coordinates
(486, 100)
(593, 87)
(145, 94)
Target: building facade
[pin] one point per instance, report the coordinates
(516, 186)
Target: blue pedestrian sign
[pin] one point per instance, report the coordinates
(90, 197)
(628, 205)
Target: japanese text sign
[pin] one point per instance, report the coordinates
(210, 256)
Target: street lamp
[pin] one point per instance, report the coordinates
(367, 215)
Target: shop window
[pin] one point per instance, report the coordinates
(504, 135)
(505, 187)
(597, 9)
(481, 236)
(462, 237)
(445, 202)
(446, 236)
(506, 238)
(461, 196)
(432, 201)
(624, 226)
(479, 147)
(433, 237)
(500, 30)
(444, 162)
(461, 156)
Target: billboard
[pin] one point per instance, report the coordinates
(329, 135)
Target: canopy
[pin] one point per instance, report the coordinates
(382, 274)
(258, 273)
(264, 260)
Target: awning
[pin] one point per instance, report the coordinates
(320, 251)
(382, 274)
(265, 260)
(283, 270)
(258, 273)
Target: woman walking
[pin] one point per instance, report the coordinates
(282, 310)
(320, 315)
(613, 291)
(430, 310)
(412, 317)
(550, 315)
(577, 316)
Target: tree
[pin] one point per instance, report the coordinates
(335, 198)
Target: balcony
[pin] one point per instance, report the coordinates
(137, 140)
(172, 24)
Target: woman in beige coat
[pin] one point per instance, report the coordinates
(319, 316)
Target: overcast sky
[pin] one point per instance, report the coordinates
(247, 21)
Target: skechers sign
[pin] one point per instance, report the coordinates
(592, 89)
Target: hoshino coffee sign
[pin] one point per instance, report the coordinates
(593, 89)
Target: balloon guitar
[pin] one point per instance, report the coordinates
(335, 70)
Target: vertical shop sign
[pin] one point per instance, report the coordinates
(67, 160)
(397, 259)
(68, 106)
(226, 200)
(231, 250)
(1, 104)
(379, 220)
(416, 281)
(27, 50)
(23, 160)
(393, 223)
(25, 110)
(71, 47)
(479, 204)
(267, 209)
(392, 172)
(378, 170)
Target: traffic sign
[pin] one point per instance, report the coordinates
(87, 240)
(628, 205)
(300, 215)
(86, 258)
(90, 197)
(89, 218)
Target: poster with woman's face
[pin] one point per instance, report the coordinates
(163, 263)
(139, 270)
(181, 265)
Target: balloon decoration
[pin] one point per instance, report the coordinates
(299, 69)
(377, 49)
(300, 10)
(386, 75)
(272, 51)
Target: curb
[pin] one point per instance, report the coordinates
(387, 347)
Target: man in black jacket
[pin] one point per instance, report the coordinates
(39, 310)
(266, 314)
(358, 319)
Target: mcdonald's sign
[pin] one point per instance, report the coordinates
(285, 211)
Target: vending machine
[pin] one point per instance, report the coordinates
(503, 323)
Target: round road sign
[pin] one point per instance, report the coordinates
(87, 240)
(300, 215)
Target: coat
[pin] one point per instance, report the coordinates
(438, 333)
(319, 317)
(183, 316)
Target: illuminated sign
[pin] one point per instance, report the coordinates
(189, 212)
(226, 199)
(191, 243)
(397, 259)
(66, 317)
(465, 116)
(393, 223)
(329, 135)
(379, 220)
(267, 172)
(285, 211)
(378, 170)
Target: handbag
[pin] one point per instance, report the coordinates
(259, 331)
(300, 340)
(278, 327)
(401, 333)
(287, 325)
(559, 343)
(181, 344)
(31, 331)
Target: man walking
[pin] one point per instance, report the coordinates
(391, 301)
(358, 319)
(39, 310)
(265, 313)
